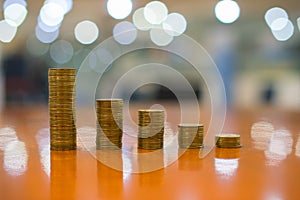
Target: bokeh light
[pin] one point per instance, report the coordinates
(175, 24)
(9, 2)
(47, 28)
(46, 37)
(65, 4)
(7, 32)
(275, 13)
(285, 33)
(61, 51)
(86, 32)
(298, 23)
(124, 33)
(155, 12)
(139, 20)
(35, 47)
(15, 14)
(227, 11)
(279, 24)
(160, 37)
(119, 9)
(52, 14)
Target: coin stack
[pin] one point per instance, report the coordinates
(62, 108)
(228, 140)
(109, 124)
(190, 136)
(151, 129)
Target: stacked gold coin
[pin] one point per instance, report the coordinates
(109, 124)
(151, 129)
(190, 136)
(228, 140)
(62, 108)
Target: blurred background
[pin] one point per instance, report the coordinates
(255, 45)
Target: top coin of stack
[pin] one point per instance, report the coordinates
(62, 108)
(228, 140)
(109, 124)
(190, 136)
(151, 129)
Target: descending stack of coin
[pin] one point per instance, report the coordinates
(151, 129)
(190, 136)
(228, 140)
(62, 108)
(109, 124)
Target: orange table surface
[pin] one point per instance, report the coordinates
(266, 167)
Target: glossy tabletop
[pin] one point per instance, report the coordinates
(266, 167)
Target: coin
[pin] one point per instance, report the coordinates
(190, 136)
(62, 108)
(228, 140)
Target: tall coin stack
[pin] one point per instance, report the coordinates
(151, 129)
(190, 136)
(228, 140)
(109, 124)
(62, 109)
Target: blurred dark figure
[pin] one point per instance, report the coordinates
(268, 94)
(24, 83)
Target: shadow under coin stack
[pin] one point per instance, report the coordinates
(151, 129)
(109, 124)
(190, 136)
(62, 109)
(228, 140)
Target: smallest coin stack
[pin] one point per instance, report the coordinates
(190, 136)
(62, 109)
(228, 140)
(109, 124)
(151, 129)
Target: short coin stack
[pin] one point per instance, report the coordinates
(190, 136)
(109, 124)
(151, 129)
(62, 108)
(228, 140)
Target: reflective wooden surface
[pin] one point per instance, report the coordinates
(266, 167)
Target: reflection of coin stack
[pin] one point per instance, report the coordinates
(227, 153)
(62, 109)
(63, 165)
(109, 124)
(228, 140)
(190, 136)
(151, 129)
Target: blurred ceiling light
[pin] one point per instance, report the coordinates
(35, 47)
(175, 24)
(8, 32)
(298, 22)
(47, 28)
(139, 20)
(227, 11)
(15, 14)
(160, 37)
(275, 13)
(52, 14)
(285, 33)
(155, 12)
(65, 4)
(124, 33)
(46, 37)
(119, 9)
(61, 51)
(9, 2)
(279, 24)
(86, 32)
